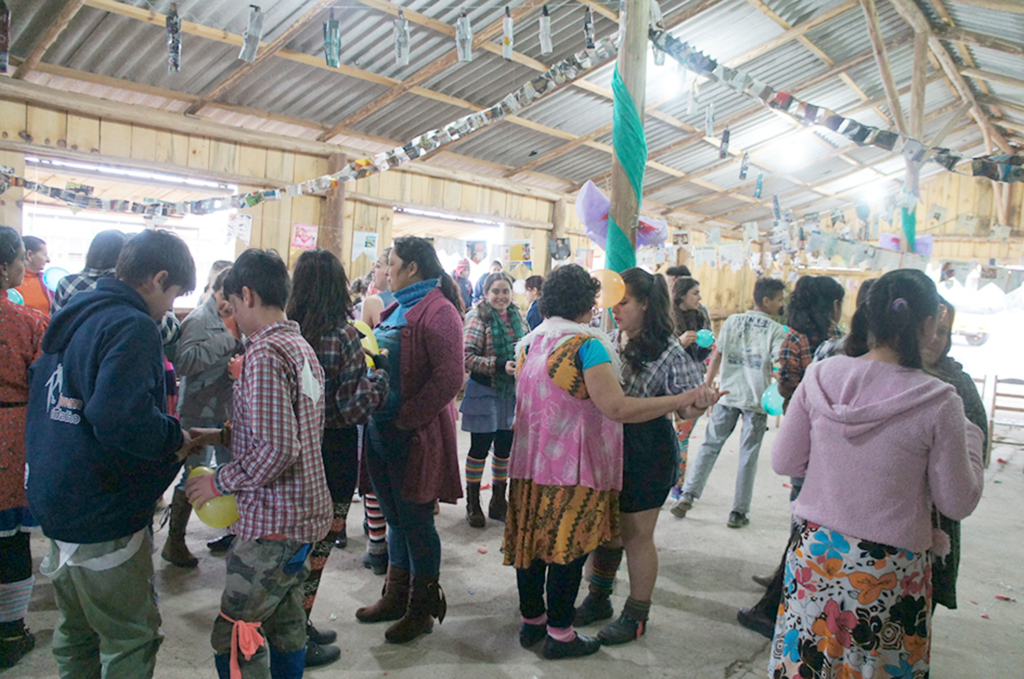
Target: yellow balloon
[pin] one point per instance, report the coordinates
(369, 340)
(220, 512)
(612, 288)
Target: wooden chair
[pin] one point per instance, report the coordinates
(1007, 410)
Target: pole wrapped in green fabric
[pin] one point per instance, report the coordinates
(908, 218)
(630, 144)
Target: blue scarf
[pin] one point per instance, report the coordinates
(411, 295)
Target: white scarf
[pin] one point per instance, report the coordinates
(559, 327)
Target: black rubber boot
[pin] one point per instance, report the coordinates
(499, 505)
(474, 513)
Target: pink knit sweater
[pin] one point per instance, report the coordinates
(878, 445)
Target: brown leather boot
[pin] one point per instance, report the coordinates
(175, 550)
(474, 513)
(394, 599)
(499, 506)
(426, 602)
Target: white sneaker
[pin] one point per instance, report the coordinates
(682, 505)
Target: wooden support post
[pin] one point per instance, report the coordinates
(559, 225)
(632, 65)
(950, 124)
(918, 84)
(882, 57)
(332, 233)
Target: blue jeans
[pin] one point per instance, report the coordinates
(413, 544)
(720, 427)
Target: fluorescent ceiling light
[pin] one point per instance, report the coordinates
(126, 173)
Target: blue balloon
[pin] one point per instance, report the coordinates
(15, 296)
(771, 400)
(705, 338)
(52, 276)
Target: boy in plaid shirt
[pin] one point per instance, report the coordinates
(276, 474)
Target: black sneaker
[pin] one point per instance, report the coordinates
(622, 631)
(340, 538)
(531, 634)
(318, 655)
(221, 544)
(737, 520)
(326, 637)
(756, 621)
(595, 607)
(577, 648)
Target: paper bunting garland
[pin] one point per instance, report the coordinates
(588, 29)
(744, 165)
(402, 35)
(723, 149)
(546, 46)
(760, 185)
(709, 120)
(507, 34)
(997, 167)
(565, 71)
(173, 29)
(464, 38)
(253, 34)
(5, 36)
(332, 41)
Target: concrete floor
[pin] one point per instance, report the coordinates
(704, 577)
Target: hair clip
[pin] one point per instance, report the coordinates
(899, 303)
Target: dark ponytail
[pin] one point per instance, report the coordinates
(421, 251)
(897, 304)
(812, 305)
(654, 337)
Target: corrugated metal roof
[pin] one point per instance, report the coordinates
(119, 47)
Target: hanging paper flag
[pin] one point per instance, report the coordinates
(723, 150)
(588, 28)
(709, 119)
(464, 38)
(776, 211)
(656, 16)
(760, 185)
(744, 165)
(332, 41)
(545, 33)
(401, 33)
(173, 26)
(621, 36)
(508, 39)
(691, 106)
(659, 57)
(253, 34)
(5, 36)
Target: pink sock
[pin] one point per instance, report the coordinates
(541, 619)
(563, 635)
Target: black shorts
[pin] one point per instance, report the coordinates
(649, 465)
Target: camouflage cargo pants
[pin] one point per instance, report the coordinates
(264, 584)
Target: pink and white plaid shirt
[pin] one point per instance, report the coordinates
(277, 474)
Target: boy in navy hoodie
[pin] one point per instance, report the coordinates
(100, 450)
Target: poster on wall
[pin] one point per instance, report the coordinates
(476, 251)
(681, 238)
(364, 243)
(304, 236)
(240, 227)
(519, 251)
(559, 249)
(584, 258)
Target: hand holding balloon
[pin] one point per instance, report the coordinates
(369, 341)
(213, 508)
(688, 338)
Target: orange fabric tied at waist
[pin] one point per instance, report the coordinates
(245, 637)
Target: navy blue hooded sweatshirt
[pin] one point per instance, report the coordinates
(99, 446)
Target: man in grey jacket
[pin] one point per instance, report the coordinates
(205, 350)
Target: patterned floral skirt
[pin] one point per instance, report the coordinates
(683, 430)
(852, 609)
(557, 524)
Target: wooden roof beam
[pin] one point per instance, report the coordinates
(1013, 6)
(434, 68)
(913, 15)
(956, 34)
(60, 22)
(294, 29)
(978, 74)
(884, 68)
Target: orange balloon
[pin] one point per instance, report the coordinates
(612, 288)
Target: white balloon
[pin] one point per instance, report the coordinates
(519, 287)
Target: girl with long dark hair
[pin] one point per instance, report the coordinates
(879, 443)
(320, 304)
(412, 456)
(814, 310)
(493, 328)
(654, 363)
(566, 467)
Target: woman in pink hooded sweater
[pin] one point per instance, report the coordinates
(879, 442)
